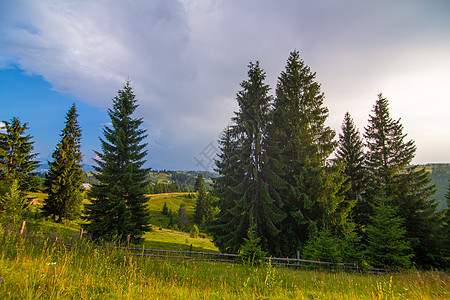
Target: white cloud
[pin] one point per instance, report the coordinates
(186, 58)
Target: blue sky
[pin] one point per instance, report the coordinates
(185, 60)
(32, 99)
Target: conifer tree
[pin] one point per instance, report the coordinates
(388, 153)
(165, 209)
(245, 186)
(250, 251)
(63, 180)
(322, 247)
(423, 223)
(350, 151)
(118, 202)
(386, 246)
(13, 202)
(199, 182)
(200, 205)
(17, 162)
(391, 176)
(299, 145)
(182, 216)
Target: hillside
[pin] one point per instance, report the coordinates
(183, 179)
(440, 176)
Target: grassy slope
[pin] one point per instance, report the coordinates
(164, 239)
(173, 200)
(159, 177)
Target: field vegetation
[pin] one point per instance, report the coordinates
(39, 265)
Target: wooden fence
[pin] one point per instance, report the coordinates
(235, 258)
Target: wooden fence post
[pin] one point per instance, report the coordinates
(22, 228)
(128, 241)
(298, 258)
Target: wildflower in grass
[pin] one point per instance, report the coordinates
(1, 278)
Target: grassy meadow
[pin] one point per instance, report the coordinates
(51, 261)
(41, 266)
(173, 201)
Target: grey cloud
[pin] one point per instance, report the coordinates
(186, 58)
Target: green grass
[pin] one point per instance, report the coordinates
(176, 240)
(164, 239)
(173, 200)
(156, 177)
(30, 270)
(44, 270)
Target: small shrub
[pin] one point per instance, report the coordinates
(165, 209)
(194, 232)
(251, 253)
(323, 247)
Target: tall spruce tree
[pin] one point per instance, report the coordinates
(199, 182)
(17, 162)
(63, 180)
(183, 220)
(200, 205)
(391, 176)
(350, 152)
(245, 186)
(299, 145)
(388, 153)
(118, 202)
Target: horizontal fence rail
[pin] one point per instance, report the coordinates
(204, 256)
(235, 258)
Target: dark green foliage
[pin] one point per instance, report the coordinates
(161, 188)
(201, 205)
(171, 221)
(388, 153)
(440, 176)
(250, 251)
(35, 184)
(350, 152)
(412, 198)
(352, 247)
(391, 176)
(13, 202)
(199, 183)
(386, 246)
(165, 209)
(17, 162)
(183, 220)
(118, 201)
(299, 145)
(63, 180)
(245, 187)
(323, 247)
(445, 237)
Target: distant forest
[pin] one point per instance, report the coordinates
(440, 176)
(166, 181)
